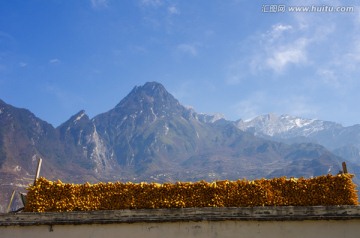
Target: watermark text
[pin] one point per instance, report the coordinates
(281, 8)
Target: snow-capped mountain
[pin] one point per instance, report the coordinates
(285, 126)
(343, 141)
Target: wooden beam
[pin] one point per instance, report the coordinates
(344, 168)
(10, 202)
(38, 170)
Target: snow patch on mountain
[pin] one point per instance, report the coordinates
(152, 112)
(284, 125)
(166, 127)
(210, 118)
(204, 117)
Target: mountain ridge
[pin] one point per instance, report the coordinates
(341, 140)
(149, 136)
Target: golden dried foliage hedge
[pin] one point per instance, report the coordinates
(48, 196)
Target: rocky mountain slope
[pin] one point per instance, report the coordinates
(148, 136)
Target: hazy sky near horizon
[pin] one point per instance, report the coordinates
(241, 58)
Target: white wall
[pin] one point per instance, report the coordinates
(204, 229)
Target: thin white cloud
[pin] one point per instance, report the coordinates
(23, 64)
(96, 4)
(138, 49)
(54, 61)
(274, 51)
(295, 41)
(152, 3)
(281, 28)
(282, 46)
(190, 49)
(280, 57)
(173, 10)
(277, 31)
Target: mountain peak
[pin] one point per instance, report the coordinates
(152, 89)
(78, 118)
(152, 95)
(153, 86)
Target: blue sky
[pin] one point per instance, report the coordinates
(233, 57)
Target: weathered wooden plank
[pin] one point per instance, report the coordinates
(183, 214)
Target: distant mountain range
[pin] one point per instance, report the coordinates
(342, 141)
(150, 136)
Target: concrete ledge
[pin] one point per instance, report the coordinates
(286, 213)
